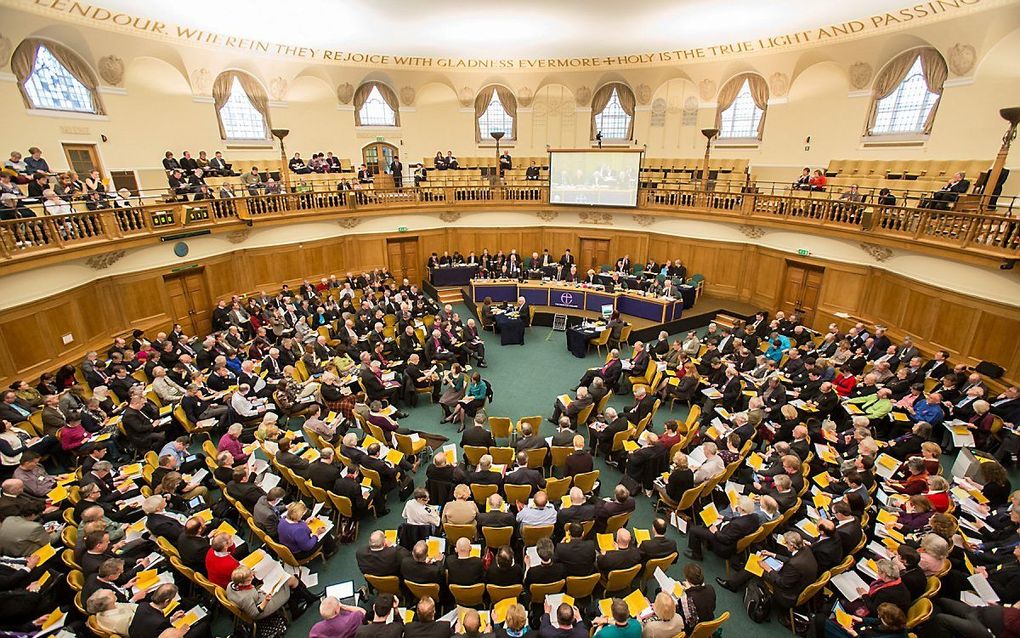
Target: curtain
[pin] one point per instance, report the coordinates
(728, 95)
(509, 102)
(252, 88)
(627, 102)
(760, 94)
(601, 99)
(387, 94)
(933, 65)
(888, 80)
(23, 61)
(481, 103)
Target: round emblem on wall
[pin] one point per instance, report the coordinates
(181, 249)
(566, 299)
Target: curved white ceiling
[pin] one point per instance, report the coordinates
(507, 28)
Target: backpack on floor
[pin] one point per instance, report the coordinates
(757, 602)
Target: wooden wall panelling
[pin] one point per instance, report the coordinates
(531, 241)
(27, 341)
(557, 240)
(997, 340)
(143, 299)
(953, 324)
(436, 241)
(764, 278)
(633, 244)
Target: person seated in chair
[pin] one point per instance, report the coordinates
(949, 193)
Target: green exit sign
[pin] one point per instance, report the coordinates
(380, 138)
(402, 229)
(804, 252)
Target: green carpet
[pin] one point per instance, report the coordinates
(525, 381)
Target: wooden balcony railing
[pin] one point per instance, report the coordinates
(985, 234)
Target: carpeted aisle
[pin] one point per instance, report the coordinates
(525, 381)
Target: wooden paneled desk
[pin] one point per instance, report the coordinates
(578, 297)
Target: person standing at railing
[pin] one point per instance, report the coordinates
(397, 170)
(506, 163)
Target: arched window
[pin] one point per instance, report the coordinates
(742, 104)
(495, 110)
(375, 104)
(242, 107)
(906, 93)
(612, 112)
(52, 77)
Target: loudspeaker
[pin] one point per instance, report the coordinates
(989, 369)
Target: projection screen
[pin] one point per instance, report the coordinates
(594, 178)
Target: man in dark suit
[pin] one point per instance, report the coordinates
(324, 472)
(546, 571)
(151, 620)
(579, 511)
(425, 624)
(495, 516)
(643, 404)
(379, 558)
(576, 554)
(609, 372)
(418, 569)
(477, 435)
(483, 474)
(580, 460)
(350, 486)
(624, 556)
(828, 548)
(658, 546)
(141, 430)
(193, 544)
(397, 169)
(14, 409)
(949, 193)
(292, 461)
(621, 502)
(463, 568)
(240, 488)
(523, 475)
(602, 438)
(582, 400)
(722, 538)
(848, 527)
(158, 523)
(798, 571)
(529, 440)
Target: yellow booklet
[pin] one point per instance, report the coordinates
(45, 553)
(755, 460)
(53, 618)
(885, 516)
(146, 579)
(253, 559)
(630, 446)
(391, 536)
(709, 515)
(642, 535)
(394, 457)
(753, 565)
(845, 620)
(57, 494)
(823, 479)
(636, 602)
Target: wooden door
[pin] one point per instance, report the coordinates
(189, 300)
(378, 156)
(83, 159)
(402, 259)
(801, 291)
(594, 254)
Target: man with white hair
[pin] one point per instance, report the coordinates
(112, 616)
(158, 523)
(338, 620)
(579, 511)
(573, 408)
(722, 537)
(602, 432)
(165, 387)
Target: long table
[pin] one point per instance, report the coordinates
(578, 297)
(452, 275)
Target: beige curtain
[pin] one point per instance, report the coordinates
(888, 80)
(760, 94)
(728, 95)
(252, 88)
(481, 103)
(933, 65)
(23, 61)
(388, 96)
(601, 99)
(509, 102)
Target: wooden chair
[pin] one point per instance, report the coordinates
(619, 580)
(534, 421)
(618, 440)
(531, 534)
(559, 456)
(617, 521)
(421, 590)
(809, 593)
(409, 446)
(584, 415)
(706, 629)
(556, 488)
(536, 458)
(539, 591)
(456, 532)
(517, 493)
(384, 584)
(920, 612)
(343, 507)
(240, 618)
(601, 341)
(496, 537)
(373, 476)
(934, 585)
(76, 579)
(468, 595)
(69, 536)
(582, 587)
(586, 481)
(663, 563)
(474, 453)
(285, 555)
(500, 427)
(498, 593)
(502, 455)
(482, 492)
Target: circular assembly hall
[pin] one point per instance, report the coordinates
(392, 319)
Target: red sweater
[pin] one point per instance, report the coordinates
(219, 568)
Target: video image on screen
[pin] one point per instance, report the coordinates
(596, 178)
